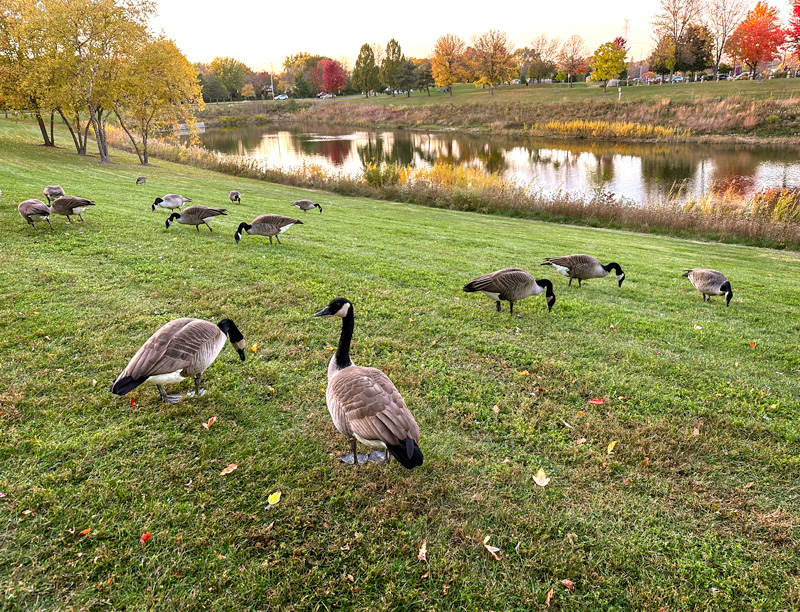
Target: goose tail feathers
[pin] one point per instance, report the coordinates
(407, 452)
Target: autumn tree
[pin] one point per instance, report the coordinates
(158, 87)
(447, 61)
(230, 73)
(672, 20)
(333, 77)
(495, 61)
(722, 18)
(608, 61)
(544, 57)
(365, 73)
(391, 64)
(572, 57)
(758, 38)
(793, 31)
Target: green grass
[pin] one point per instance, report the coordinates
(670, 520)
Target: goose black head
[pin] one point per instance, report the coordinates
(726, 288)
(156, 203)
(243, 227)
(549, 295)
(171, 218)
(320, 208)
(616, 267)
(229, 328)
(337, 307)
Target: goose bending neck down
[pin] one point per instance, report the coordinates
(583, 267)
(512, 285)
(181, 348)
(364, 404)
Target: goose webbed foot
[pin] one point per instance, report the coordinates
(198, 393)
(377, 456)
(348, 458)
(168, 399)
(278, 238)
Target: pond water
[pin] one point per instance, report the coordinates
(647, 173)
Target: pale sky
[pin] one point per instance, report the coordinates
(260, 33)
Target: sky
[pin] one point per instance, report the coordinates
(265, 33)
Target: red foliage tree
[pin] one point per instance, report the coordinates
(758, 37)
(333, 77)
(317, 74)
(793, 33)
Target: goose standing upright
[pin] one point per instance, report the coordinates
(181, 348)
(364, 404)
(512, 285)
(266, 225)
(583, 267)
(170, 201)
(306, 205)
(235, 197)
(196, 215)
(710, 282)
(51, 192)
(70, 205)
(34, 210)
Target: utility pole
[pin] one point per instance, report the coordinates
(271, 83)
(626, 28)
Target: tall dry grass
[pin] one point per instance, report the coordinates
(471, 189)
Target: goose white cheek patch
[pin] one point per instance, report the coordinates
(342, 312)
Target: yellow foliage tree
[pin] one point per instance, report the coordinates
(446, 61)
(494, 60)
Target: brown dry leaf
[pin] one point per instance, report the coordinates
(210, 422)
(568, 584)
(423, 551)
(549, 597)
(345, 548)
(541, 478)
(492, 549)
(645, 461)
(610, 449)
(696, 431)
(745, 487)
(219, 556)
(350, 578)
(270, 526)
(94, 382)
(424, 576)
(496, 409)
(85, 531)
(445, 587)
(228, 469)
(580, 441)
(572, 537)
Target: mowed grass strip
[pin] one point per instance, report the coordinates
(695, 507)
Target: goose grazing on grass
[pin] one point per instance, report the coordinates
(181, 348)
(710, 282)
(34, 210)
(306, 205)
(196, 215)
(170, 201)
(364, 404)
(141, 180)
(583, 267)
(235, 197)
(266, 225)
(512, 285)
(51, 192)
(70, 205)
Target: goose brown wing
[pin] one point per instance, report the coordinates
(33, 207)
(706, 281)
(371, 406)
(276, 221)
(65, 204)
(500, 281)
(174, 347)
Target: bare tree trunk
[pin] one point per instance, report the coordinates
(52, 135)
(142, 158)
(43, 128)
(99, 127)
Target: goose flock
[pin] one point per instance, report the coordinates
(364, 404)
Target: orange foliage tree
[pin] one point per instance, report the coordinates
(759, 37)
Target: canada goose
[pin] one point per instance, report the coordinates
(583, 267)
(181, 348)
(235, 197)
(266, 225)
(307, 205)
(70, 205)
(170, 201)
(364, 404)
(512, 285)
(141, 180)
(34, 210)
(710, 282)
(51, 192)
(195, 215)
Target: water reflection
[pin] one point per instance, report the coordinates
(644, 172)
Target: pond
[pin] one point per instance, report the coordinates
(647, 173)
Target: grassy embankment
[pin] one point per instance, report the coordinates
(696, 507)
(746, 111)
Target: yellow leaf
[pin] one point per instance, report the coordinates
(541, 478)
(328, 348)
(524, 373)
(272, 390)
(274, 498)
(254, 348)
(611, 446)
(228, 469)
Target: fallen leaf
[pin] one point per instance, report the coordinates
(433, 342)
(274, 498)
(496, 409)
(568, 583)
(697, 327)
(612, 328)
(748, 485)
(350, 578)
(210, 422)
(254, 348)
(85, 531)
(645, 461)
(133, 403)
(599, 400)
(272, 389)
(345, 548)
(145, 537)
(611, 446)
(424, 576)
(270, 526)
(752, 345)
(27, 512)
(572, 537)
(228, 469)
(423, 551)
(328, 348)
(524, 373)
(580, 441)
(492, 549)
(696, 431)
(445, 587)
(549, 597)
(541, 478)
(94, 382)
(2, 495)
(219, 556)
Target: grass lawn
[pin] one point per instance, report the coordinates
(695, 508)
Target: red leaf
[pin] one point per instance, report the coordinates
(568, 583)
(549, 597)
(133, 403)
(599, 400)
(145, 537)
(752, 345)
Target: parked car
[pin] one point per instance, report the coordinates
(328, 96)
(745, 76)
(282, 97)
(677, 79)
